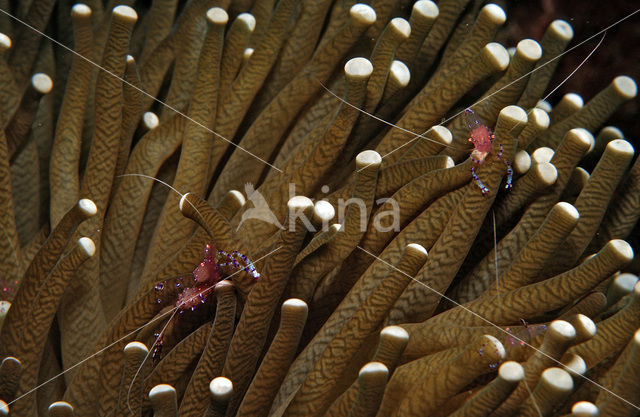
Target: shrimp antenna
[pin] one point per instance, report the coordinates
(381, 120)
(584, 61)
(578, 67)
(533, 399)
(495, 253)
(166, 185)
(175, 310)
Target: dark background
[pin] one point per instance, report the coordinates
(619, 53)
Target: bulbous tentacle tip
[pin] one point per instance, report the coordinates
(624, 251)
(221, 388)
(360, 68)
(125, 13)
(136, 347)
(625, 86)
(363, 14)
(61, 409)
(80, 10)
(511, 371)
(249, 20)
(426, 8)
(183, 201)
(42, 83)
(88, 207)
(87, 246)
(294, 307)
(5, 42)
(561, 29)
(494, 13)
(217, 16)
(300, 202)
(368, 159)
(163, 399)
(585, 409)
(401, 27)
(514, 114)
(374, 372)
(417, 248)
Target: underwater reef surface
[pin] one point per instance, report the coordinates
(318, 208)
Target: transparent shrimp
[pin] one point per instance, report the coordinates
(481, 136)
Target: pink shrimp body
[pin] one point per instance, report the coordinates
(482, 139)
(193, 296)
(207, 271)
(525, 335)
(216, 265)
(206, 275)
(480, 135)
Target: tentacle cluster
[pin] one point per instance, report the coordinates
(351, 267)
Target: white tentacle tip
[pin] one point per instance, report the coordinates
(426, 8)
(299, 202)
(495, 13)
(248, 20)
(217, 16)
(540, 118)
(221, 388)
(150, 120)
(363, 14)
(400, 73)
(87, 246)
(395, 332)
(529, 49)
(584, 136)
(42, 83)
(562, 29)
(125, 12)
(585, 409)
(515, 113)
(5, 42)
(183, 201)
(557, 378)
(561, 329)
(88, 207)
(80, 10)
(625, 86)
(568, 210)
(60, 408)
(511, 371)
(497, 55)
(161, 389)
(402, 27)
(136, 347)
(622, 248)
(358, 68)
(620, 147)
(368, 158)
(416, 248)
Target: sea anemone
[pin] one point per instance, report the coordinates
(311, 208)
